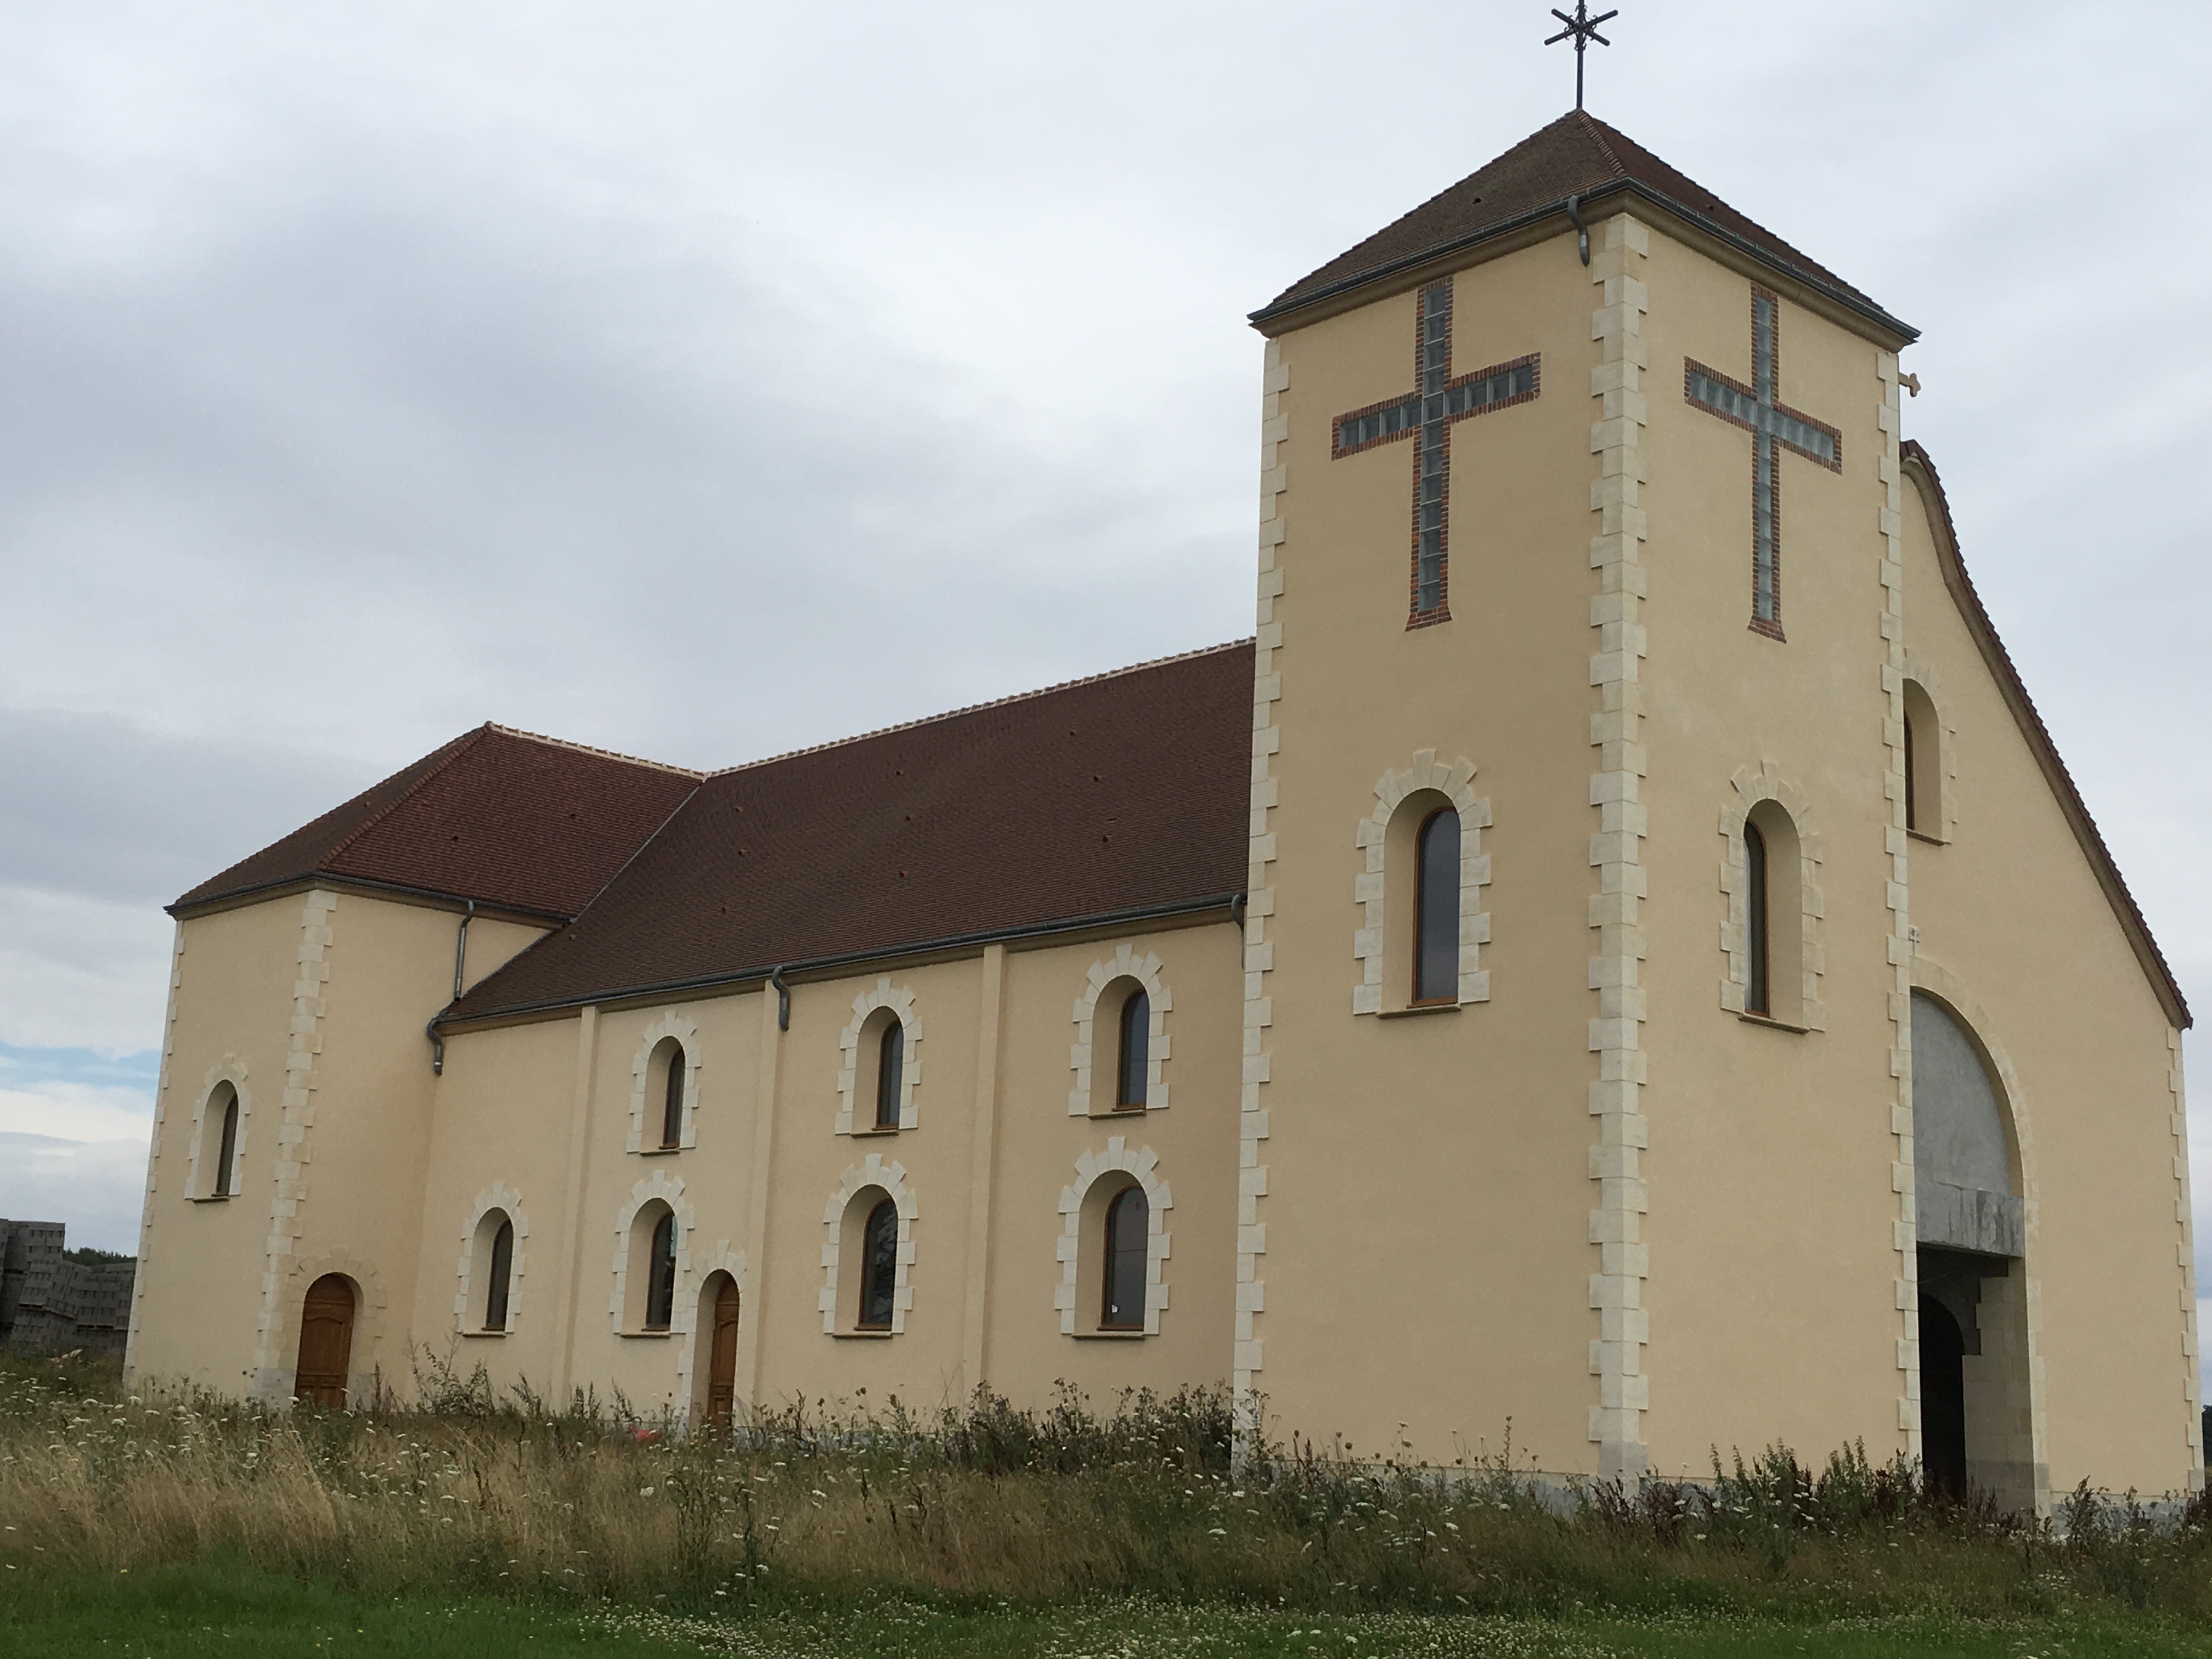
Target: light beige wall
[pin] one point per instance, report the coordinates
(2015, 924)
(1425, 1228)
(326, 992)
(1770, 1228)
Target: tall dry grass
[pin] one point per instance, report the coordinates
(471, 1494)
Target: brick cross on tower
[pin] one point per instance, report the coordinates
(1774, 427)
(1428, 414)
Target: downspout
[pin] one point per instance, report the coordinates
(783, 998)
(460, 969)
(1237, 911)
(1582, 230)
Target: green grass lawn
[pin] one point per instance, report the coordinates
(243, 1612)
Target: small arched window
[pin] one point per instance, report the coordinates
(891, 1076)
(1436, 909)
(1925, 764)
(1133, 1076)
(672, 1109)
(1128, 1222)
(879, 1265)
(661, 1267)
(1756, 1000)
(499, 1277)
(226, 1153)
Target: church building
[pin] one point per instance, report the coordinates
(1615, 951)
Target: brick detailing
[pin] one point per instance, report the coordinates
(468, 1296)
(2185, 1253)
(153, 1150)
(1370, 945)
(207, 1137)
(667, 1189)
(1751, 786)
(1124, 964)
(900, 1001)
(272, 1372)
(890, 1180)
(1890, 522)
(676, 1024)
(1259, 897)
(1616, 852)
(1159, 1199)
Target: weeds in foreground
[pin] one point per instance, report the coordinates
(586, 1503)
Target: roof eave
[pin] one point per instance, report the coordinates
(1897, 333)
(301, 881)
(2164, 986)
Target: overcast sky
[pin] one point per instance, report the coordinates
(703, 381)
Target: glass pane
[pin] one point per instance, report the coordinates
(1127, 1222)
(880, 1266)
(1754, 906)
(672, 1111)
(1435, 926)
(890, 1067)
(502, 1269)
(1132, 1085)
(229, 1151)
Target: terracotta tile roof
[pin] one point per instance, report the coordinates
(1125, 793)
(1577, 154)
(2106, 869)
(506, 818)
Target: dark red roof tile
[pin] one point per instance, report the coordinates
(503, 817)
(1125, 792)
(1576, 154)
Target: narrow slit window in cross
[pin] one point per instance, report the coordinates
(1774, 427)
(1427, 415)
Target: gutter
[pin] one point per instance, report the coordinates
(773, 974)
(1826, 286)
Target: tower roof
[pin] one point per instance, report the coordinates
(1579, 158)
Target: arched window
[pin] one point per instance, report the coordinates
(890, 1072)
(1128, 1222)
(1133, 1076)
(1436, 909)
(226, 1153)
(660, 1266)
(879, 1265)
(671, 1110)
(1755, 933)
(1923, 763)
(499, 1277)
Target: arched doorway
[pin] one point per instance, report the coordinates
(1943, 1399)
(1976, 1379)
(325, 1342)
(718, 1332)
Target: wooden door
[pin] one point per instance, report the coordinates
(722, 1367)
(325, 1342)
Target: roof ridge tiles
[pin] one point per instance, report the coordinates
(978, 708)
(692, 772)
(1598, 132)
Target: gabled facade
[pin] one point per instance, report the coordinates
(1618, 953)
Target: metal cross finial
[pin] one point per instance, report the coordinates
(1582, 28)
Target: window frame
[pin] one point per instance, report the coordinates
(1132, 1051)
(890, 1076)
(878, 1273)
(1116, 1252)
(659, 1296)
(674, 1096)
(1423, 892)
(1758, 931)
(499, 1277)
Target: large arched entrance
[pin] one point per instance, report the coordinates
(325, 1342)
(1976, 1423)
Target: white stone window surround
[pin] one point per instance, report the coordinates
(1124, 964)
(675, 1023)
(468, 1300)
(1941, 824)
(899, 999)
(1752, 786)
(871, 1174)
(668, 1190)
(1370, 947)
(207, 1138)
(1159, 1199)
(275, 1385)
